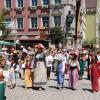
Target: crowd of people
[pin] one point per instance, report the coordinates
(34, 66)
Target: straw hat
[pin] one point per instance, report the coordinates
(4, 49)
(74, 53)
(84, 52)
(39, 46)
(29, 48)
(15, 52)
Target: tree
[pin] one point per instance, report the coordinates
(5, 30)
(56, 36)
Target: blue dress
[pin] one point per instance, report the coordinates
(60, 75)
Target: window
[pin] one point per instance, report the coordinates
(7, 3)
(45, 2)
(20, 23)
(20, 3)
(57, 20)
(33, 22)
(57, 1)
(7, 22)
(45, 21)
(33, 2)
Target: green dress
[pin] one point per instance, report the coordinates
(2, 91)
(82, 64)
(2, 88)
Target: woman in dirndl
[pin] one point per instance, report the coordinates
(73, 71)
(2, 82)
(40, 70)
(28, 72)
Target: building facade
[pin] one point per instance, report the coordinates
(83, 19)
(81, 23)
(33, 19)
(59, 10)
(98, 24)
(91, 21)
(29, 18)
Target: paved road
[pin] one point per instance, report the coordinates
(51, 93)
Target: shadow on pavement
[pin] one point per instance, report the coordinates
(21, 86)
(53, 87)
(38, 88)
(67, 88)
(67, 79)
(85, 89)
(53, 79)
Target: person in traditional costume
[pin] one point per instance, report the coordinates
(94, 74)
(28, 73)
(40, 69)
(49, 64)
(98, 59)
(2, 81)
(12, 74)
(55, 62)
(82, 65)
(86, 59)
(60, 70)
(73, 71)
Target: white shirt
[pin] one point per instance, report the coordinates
(49, 60)
(98, 57)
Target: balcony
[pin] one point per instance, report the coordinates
(45, 6)
(20, 29)
(57, 6)
(32, 7)
(33, 29)
(19, 8)
(7, 9)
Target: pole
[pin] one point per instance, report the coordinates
(15, 34)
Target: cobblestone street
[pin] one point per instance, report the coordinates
(52, 93)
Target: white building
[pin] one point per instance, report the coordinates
(83, 19)
(59, 10)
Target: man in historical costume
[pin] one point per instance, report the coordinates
(40, 70)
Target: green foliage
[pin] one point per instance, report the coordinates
(56, 35)
(5, 30)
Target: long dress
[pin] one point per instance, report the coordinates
(60, 75)
(40, 70)
(73, 74)
(94, 77)
(2, 86)
(28, 75)
(82, 65)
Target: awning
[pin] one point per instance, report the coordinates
(6, 43)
